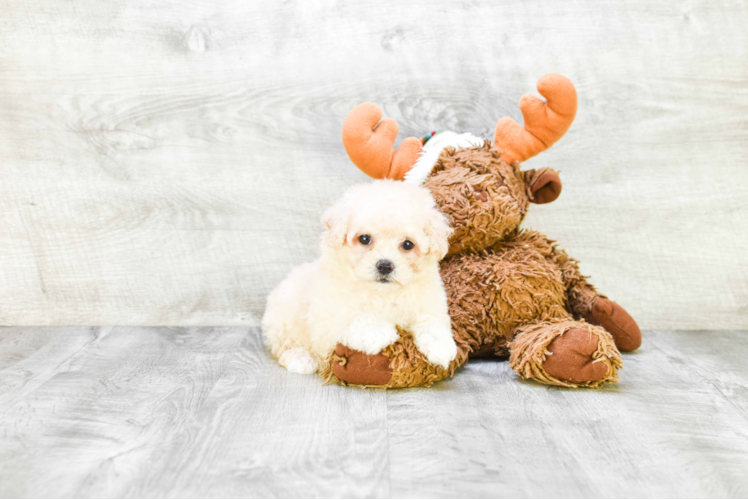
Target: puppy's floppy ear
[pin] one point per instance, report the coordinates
(438, 232)
(335, 219)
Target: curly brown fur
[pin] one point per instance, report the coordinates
(483, 197)
(492, 292)
(580, 294)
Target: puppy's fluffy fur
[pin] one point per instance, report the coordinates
(347, 296)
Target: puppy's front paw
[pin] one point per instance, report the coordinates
(435, 341)
(373, 339)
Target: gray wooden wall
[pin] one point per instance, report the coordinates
(167, 162)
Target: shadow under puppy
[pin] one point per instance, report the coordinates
(378, 271)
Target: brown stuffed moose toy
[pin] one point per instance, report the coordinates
(512, 292)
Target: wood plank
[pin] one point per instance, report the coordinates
(167, 164)
(206, 412)
(721, 362)
(661, 432)
(264, 432)
(101, 415)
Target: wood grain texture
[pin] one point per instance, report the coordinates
(206, 412)
(166, 163)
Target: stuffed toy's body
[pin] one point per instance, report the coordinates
(512, 293)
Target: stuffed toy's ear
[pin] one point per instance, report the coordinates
(438, 232)
(543, 186)
(335, 219)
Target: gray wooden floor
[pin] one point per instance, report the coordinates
(165, 412)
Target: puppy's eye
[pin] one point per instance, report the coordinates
(408, 245)
(364, 239)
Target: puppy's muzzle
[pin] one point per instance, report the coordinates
(385, 267)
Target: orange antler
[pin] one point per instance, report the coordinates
(368, 142)
(545, 122)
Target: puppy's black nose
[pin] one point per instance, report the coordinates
(385, 266)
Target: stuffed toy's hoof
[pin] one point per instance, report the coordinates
(566, 353)
(618, 322)
(398, 365)
(358, 368)
(570, 357)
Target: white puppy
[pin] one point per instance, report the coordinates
(379, 269)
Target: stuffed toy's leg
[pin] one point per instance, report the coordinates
(398, 365)
(583, 300)
(566, 353)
